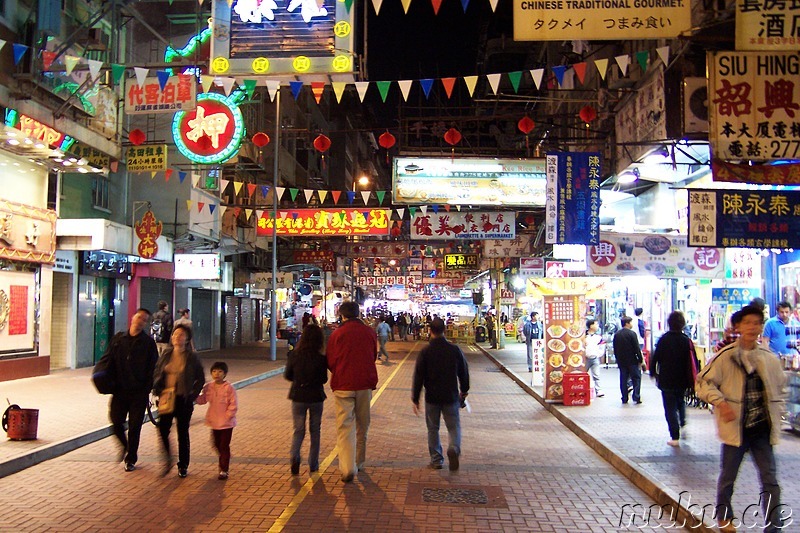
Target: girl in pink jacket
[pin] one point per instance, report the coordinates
(221, 414)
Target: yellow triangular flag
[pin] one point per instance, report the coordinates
(248, 213)
(237, 186)
(377, 5)
(70, 62)
(338, 90)
(405, 86)
(188, 205)
(406, 5)
(206, 82)
(322, 196)
(153, 174)
(602, 67)
(471, 81)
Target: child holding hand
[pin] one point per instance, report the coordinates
(221, 414)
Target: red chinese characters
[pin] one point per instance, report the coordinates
(148, 229)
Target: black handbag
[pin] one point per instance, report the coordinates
(103, 375)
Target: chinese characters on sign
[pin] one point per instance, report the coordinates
(146, 158)
(517, 247)
(148, 230)
(322, 258)
(761, 174)
(577, 198)
(383, 281)
(767, 25)
(475, 225)
(27, 233)
(18, 310)
(754, 105)
(564, 320)
(212, 132)
(91, 155)
(179, 94)
(302, 222)
(460, 261)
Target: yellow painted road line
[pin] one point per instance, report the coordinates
(298, 499)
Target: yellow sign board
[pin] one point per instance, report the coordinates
(591, 287)
(146, 158)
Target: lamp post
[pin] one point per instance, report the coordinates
(273, 306)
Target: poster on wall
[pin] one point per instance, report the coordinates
(17, 290)
(564, 351)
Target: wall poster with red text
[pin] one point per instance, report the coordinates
(17, 292)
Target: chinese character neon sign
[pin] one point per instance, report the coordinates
(211, 133)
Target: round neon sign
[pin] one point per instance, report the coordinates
(211, 133)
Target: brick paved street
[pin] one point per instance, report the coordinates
(531, 471)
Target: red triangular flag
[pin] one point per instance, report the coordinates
(200, 206)
(168, 174)
(580, 70)
(251, 189)
(236, 211)
(335, 195)
(448, 84)
(436, 5)
(48, 58)
(317, 87)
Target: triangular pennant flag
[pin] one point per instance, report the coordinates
(643, 57)
(251, 189)
(259, 213)
(663, 53)
(211, 208)
(188, 205)
(296, 87)
(458, 208)
(361, 88)
(376, 4)
(153, 174)
(141, 75)
(383, 88)
(309, 194)
(317, 87)
(264, 190)
(237, 186)
(94, 68)
(494, 82)
(338, 90)
(47, 59)
(272, 88)
(117, 71)
(70, 62)
(347, 4)
(206, 82)
(248, 213)
(163, 78)
(537, 74)
(236, 211)
(447, 207)
(514, 78)
(493, 4)
(412, 211)
(559, 71)
(222, 210)
(283, 215)
(351, 195)
(196, 182)
(623, 61)
(401, 212)
(2, 43)
(365, 196)
(406, 5)
(181, 176)
(227, 84)
(322, 196)
(380, 195)
(293, 193)
(435, 208)
(464, 4)
(436, 5)
(602, 67)
(471, 82)
(200, 206)
(223, 184)
(424, 209)
(19, 51)
(405, 86)
(335, 195)
(448, 84)
(580, 70)
(426, 84)
(250, 87)
(279, 191)
(168, 174)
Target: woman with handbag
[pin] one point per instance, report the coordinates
(178, 381)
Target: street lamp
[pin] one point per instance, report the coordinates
(363, 181)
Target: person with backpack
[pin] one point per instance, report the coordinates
(532, 330)
(161, 328)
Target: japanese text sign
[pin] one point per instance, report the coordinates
(663, 256)
(576, 217)
(301, 222)
(460, 261)
(179, 94)
(744, 219)
(475, 225)
(146, 158)
(565, 20)
(385, 281)
(754, 105)
(767, 25)
(322, 258)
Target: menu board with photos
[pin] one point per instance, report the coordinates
(564, 348)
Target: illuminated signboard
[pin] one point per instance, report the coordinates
(197, 266)
(211, 133)
(460, 261)
(518, 182)
(473, 225)
(300, 222)
(273, 37)
(36, 130)
(178, 94)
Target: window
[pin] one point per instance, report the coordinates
(100, 192)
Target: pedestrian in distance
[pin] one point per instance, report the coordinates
(132, 357)
(391, 321)
(673, 364)
(351, 353)
(746, 385)
(383, 331)
(595, 348)
(179, 374)
(307, 369)
(402, 326)
(221, 414)
(442, 370)
(629, 358)
(532, 331)
(161, 327)
(184, 320)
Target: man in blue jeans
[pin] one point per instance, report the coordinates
(629, 360)
(442, 369)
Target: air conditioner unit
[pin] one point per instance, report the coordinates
(695, 105)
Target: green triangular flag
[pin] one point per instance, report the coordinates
(348, 4)
(293, 193)
(250, 86)
(515, 77)
(383, 87)
(642, 58)
(413, 211)
(380, 195)
(117, 71)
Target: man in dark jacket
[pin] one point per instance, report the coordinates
(133, 356)
(442, 369)
(161, 328)
(629, 359)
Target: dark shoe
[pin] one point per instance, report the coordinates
(314, 469)
(348, 478)
(183, 472)
(295, 468)
(222, 476)
(435, 466)
(452, 460)
(638, 402)
(624, 402)
(130, 467)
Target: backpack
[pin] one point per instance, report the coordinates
(157, 330)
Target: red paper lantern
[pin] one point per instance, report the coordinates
(386, 140)
(137, 137)
(261, 139)
(588, 113)
(529, 219)
(322, 143)
(526, 124)
(452, 136)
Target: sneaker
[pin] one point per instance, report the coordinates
(452, 460)
(674, 443)
(435, 466)
(600, 394)
(183, 472)
(222, 475)
(295, 468)
(130, 467)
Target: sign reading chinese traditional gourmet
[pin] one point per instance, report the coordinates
(148, 229)
(754, 105)
(146, 158)
(474, 225)
(744, 219)
(179, 93)
(212, 132)
(301, 222)
(460, 261)
(321, 258)
(576, 216)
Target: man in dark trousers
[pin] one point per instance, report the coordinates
(629, 359)
(532, 330)
(133, 356)
(442, 369)
(161, 328)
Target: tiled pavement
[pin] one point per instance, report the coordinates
(534, 473)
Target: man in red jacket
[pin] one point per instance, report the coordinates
(352, 351)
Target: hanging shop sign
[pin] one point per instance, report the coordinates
(516, 247)
(744, 219)
(388, 250)
(196, 266)
(597, 288)
(212, 132)
(146, 158)
(743, 264)
(600, 20)
(753, 103)
(384, 281)
(148, 229)
(104, 264)
(176, 93)
(573, 198)
(474, 225)
(507, 297)
(263, 280)
(27, 233)
(34, 129)
(321, 258)
(766, 25)
(417, 180)
(564, 351)
(17, 307)
(91, 155)
(460, 261)
(757, 174)
(640, 118)
(302, 222)
(531, 267)
(663, 256)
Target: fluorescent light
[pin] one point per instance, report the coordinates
(627, 177)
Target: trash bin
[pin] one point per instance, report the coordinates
(480, 334)
(21, 424)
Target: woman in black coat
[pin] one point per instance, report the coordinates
(307, 369)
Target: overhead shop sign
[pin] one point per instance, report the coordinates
(303, 222)
(321, 258)
(146, 158)
(36, 130)
(754, 104)
(766, 25)
(573, 198)
(495, 182)
(27, 233)
(760, 174)
(600, 20)
(744, 219)
(460, 261)
(176, 93)
(383, 281)
(476, 225)
(517, 247)
(92, 155)
(212, 132)
(663, 256)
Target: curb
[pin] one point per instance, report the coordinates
(62, 447)
(661, 494)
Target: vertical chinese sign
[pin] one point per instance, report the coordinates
(564, 352)
(148, 230)
(573, 178)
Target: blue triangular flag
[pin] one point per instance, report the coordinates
(435, 208)
(264, 190)
(181, 176)
(296, 86)
(559, 72)
(351, 196)
(19, 51)
(427, 83)
(464, 4)
(211, 208)
(366, 215)
(295, 215)
(163, 77)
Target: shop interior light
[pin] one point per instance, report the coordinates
(628, 176)
(13, 142)
(83, 170)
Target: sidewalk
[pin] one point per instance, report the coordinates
(633, 439)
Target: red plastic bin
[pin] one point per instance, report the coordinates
(577, 388)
